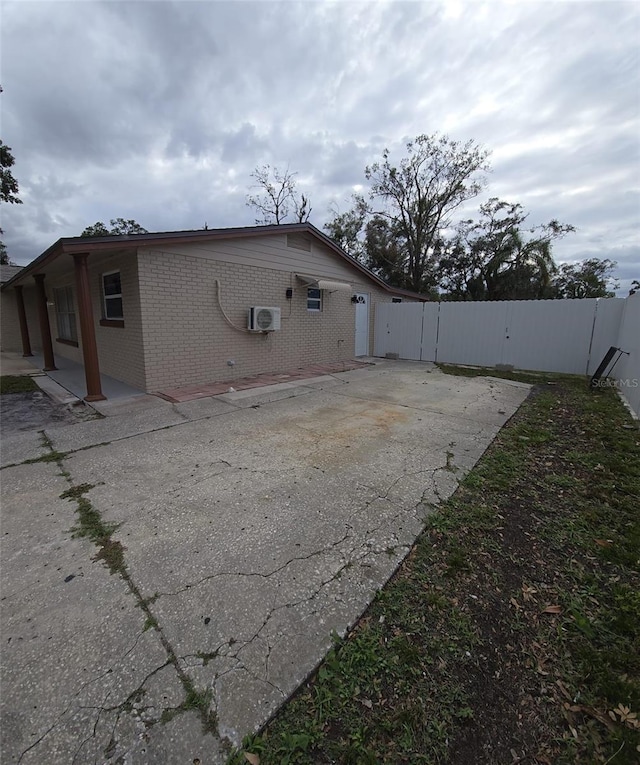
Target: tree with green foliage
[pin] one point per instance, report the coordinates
(498, 258)
(8, 184)
(278, 197)
(416, 197)
(346, 228)
(591, 278)
(8, 188)
(119, 227)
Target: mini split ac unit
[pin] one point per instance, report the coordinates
(264, 319)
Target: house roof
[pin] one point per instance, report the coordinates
(80, 244)
(8, 271)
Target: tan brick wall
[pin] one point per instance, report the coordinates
(187, 340)
(119, 349)
(175, 333)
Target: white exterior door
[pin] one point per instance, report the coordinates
(362, 324)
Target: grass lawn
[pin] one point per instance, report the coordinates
(16, 384)
(511, 633)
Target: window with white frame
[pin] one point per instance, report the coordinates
(65, 314)
(112, 295)
(314, 299)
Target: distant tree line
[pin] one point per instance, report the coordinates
(119, 227)
(403, 229)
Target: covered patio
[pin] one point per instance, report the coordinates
(68, 374)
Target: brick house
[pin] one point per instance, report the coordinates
(165, 310)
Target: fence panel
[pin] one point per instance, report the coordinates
(627, 370)
(472, 333)
(398, 329)
(549, 335)
(568, 336)
(605, 330)
(430, 321)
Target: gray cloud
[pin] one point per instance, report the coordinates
(160, 111)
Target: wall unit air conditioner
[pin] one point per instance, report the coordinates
(264, 319)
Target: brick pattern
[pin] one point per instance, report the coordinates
(174, 330)
(187, 340)
(118, 347)
(192, 392)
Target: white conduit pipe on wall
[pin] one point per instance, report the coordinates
(226, 318)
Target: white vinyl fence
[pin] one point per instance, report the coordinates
(627, 370)
(546, 335)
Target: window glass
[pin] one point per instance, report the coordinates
(112, 296)
(314, 299)
(111, 284)
(65, 314)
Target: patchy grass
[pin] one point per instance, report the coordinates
(17, 384)
(511, 632)
(533, 378)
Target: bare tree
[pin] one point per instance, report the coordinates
(277, 197)
(418, 196)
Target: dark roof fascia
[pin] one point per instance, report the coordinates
(80, 244)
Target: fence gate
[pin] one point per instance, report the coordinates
(546, 335)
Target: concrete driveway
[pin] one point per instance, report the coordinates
(218, 544)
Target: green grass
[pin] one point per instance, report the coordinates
(531, 571)
(17, 384)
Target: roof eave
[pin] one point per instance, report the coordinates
(77, 245)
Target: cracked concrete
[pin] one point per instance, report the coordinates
(254, 525)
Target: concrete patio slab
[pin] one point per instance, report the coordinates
(76, 654)
(18, 447)
(252, 526)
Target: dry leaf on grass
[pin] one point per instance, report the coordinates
(253, 759)
(626, 716)
(552, 610)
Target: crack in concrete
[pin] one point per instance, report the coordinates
(79, 692)
(355, 556)
(259, 574)
(144, 604)
(53, 726)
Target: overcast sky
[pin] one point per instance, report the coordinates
(159, 111)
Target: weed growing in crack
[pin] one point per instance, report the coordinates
(53, 456)
(151, 623)
(207, 657)
(91, 526)
(195, 700)
(450, 466)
